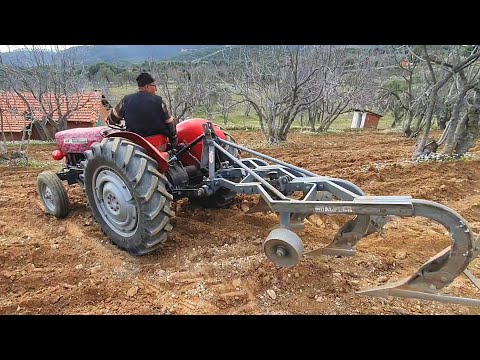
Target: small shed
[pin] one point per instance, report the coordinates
(365, 119)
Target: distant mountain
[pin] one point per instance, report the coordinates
(135, 54)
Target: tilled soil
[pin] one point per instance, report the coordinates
(213, 261)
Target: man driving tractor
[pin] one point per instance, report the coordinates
(145, 113)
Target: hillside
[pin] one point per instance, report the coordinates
(137, 54)
(91, 54)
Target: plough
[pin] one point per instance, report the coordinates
(130, 181)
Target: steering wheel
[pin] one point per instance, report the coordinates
(115, 126)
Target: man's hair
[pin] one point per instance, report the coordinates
(144, 79)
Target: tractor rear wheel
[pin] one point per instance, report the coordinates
(127, 195)
(52, 194)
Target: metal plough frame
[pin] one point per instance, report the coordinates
(258, 177)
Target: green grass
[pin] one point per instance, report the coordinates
(237, 121)
(39, 164)
(118, 92)
(31, 163)
(13, 144)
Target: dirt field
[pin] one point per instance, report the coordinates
(214, 262)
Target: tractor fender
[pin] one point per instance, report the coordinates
(187, 131)
(160, 157)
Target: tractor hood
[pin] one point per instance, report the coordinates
(78, 140)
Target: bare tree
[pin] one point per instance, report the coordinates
(225, 104)
(390, 101)
(3, 143)
(458, 134)
(209, 96)
(346, 78)
(278, 81)
(404, 91)
(455, 62)
(49, 82)
(464, 133)
(179, 85)
(248, 108)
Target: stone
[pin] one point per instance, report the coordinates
(245, 207)
(399, 311)
(132, 291)
(272, 294)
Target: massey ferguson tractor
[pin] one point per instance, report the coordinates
(130, 182)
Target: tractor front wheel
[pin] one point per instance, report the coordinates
(52, 194)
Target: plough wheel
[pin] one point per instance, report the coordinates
(283, 247)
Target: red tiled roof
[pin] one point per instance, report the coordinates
(84, 107)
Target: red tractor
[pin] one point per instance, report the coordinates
(130, 182)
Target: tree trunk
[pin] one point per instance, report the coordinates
(449, 140)
(261, 121)
(445, 117)
(283, 133)
(272, 137)
(396, 117)
(428, 122)
(311, 120)
(42, 130)
(408, 124)
(420, 121)
(62, 124)
(247, 110)
(469, 128)
(3, 147)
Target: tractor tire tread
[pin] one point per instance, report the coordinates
(147, 186)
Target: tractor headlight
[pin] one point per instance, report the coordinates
(57, 155)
